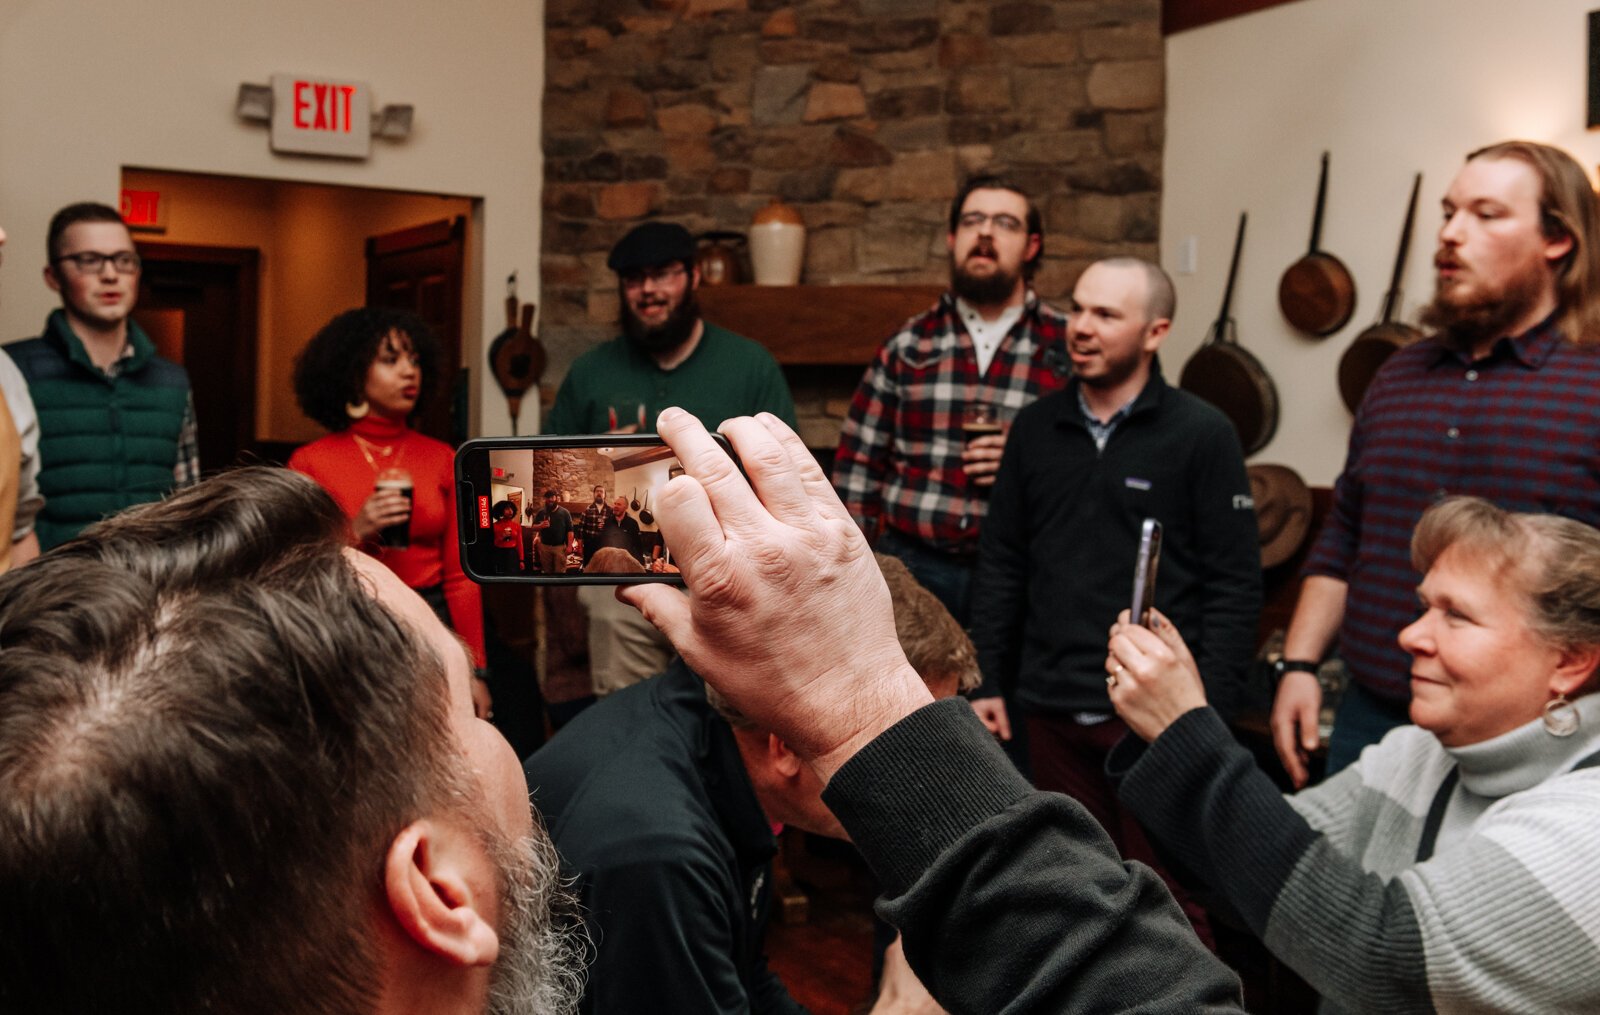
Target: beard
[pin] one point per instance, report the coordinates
(670, 334)
(1464, 322)
(982, 290)
(542, 943)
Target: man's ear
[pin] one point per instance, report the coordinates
(51, 279)
(1035, 244)
(429, 891)
(784, 761)
(1155, 333)
(1556, 249)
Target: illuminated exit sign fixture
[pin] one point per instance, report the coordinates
(312, 115)
(321, 116)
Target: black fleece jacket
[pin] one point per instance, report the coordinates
(1055, 561)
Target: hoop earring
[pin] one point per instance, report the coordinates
(357, 410)
(1561, 717)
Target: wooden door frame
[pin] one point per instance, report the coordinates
(246, 352)
(414, 239)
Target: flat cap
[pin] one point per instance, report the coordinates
(650, 245)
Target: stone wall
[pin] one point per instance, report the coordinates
(863, 114)
(573, 471)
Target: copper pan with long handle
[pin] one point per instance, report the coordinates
(1360, 362)
(1223, 373)
(1317, 294)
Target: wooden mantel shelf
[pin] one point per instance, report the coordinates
(816, 325)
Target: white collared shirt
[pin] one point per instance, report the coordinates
(987, 335)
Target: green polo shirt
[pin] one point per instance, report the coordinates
(726, 376)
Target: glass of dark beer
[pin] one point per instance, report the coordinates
(398, 535)
(978, 419)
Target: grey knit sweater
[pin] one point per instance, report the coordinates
(1504, 917)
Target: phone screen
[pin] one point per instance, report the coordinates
(565, 510)
(1144, 572)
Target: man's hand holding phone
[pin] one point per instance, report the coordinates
(787, 614)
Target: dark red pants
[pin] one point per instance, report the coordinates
(1071, 759)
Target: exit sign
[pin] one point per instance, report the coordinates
(143, 210)
(321, 116)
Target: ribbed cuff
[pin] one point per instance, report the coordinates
(1202, 797)
(920, 786)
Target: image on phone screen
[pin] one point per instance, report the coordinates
(568, 510)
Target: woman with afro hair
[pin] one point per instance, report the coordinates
(363, 376)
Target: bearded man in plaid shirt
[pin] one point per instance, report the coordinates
(916, 488)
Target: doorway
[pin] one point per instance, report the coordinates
(420, 269)
(199, 306)
(241, 272)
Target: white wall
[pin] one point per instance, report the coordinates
(1390, 88)
(90, 86)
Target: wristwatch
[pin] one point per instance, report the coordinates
(1283, 666)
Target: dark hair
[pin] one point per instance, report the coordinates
(1567, 207)
(552, 493)
(210, 731)
(331, 370)
(501, 505)
(993, 181)
(71, 215)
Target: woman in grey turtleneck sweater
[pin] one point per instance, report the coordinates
(1453, 867)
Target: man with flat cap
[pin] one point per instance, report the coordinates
(667, 354)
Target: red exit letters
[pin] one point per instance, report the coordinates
(321, 115)
(322, 106)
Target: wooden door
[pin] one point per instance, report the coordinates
(198, 304)
(420, 269)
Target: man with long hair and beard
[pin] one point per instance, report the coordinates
(1498, 402)
(667, 353)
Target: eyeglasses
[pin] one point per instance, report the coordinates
(1003, 222)
(660, 276)
(90, 262)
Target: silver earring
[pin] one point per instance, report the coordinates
(1561, 717)
(357, 410)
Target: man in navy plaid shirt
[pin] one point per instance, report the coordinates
(1499, 402)
(904, 471)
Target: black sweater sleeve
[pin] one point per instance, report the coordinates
(1009, 899)
(1000, 583)
(1228, 557)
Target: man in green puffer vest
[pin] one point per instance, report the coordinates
(116, 421)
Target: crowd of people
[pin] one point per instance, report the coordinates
(243, 757)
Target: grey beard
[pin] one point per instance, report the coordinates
(670, 334)
(543, 946)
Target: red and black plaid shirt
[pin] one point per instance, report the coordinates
(1519, 427)
(899, 457)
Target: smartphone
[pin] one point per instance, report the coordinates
(566, 510)
(1144, 572)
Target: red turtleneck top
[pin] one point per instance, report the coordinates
(346, 464)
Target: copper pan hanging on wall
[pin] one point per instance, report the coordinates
(1316, 293)
(1360, 362)
(1223, 373)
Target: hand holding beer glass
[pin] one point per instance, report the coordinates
(984, 439)
(385, 517)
